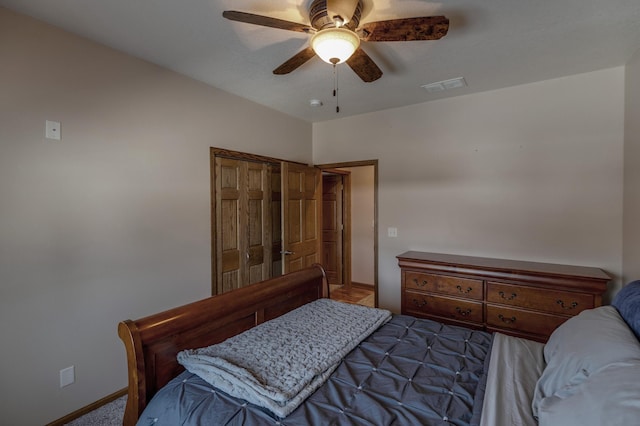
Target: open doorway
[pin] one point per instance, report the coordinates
(350, 242)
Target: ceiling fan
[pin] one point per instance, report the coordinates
(336, 34)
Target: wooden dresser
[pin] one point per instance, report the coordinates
(525, 299)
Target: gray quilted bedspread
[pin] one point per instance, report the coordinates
(408, 372)
(279, 363)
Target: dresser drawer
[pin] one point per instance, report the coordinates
(454, 286)
(560, 302)
(445, 307)
(524, 321)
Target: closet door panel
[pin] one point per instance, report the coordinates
(229, 181)
(258, 221)
(301, 192)
(243, 222)
(276, 221)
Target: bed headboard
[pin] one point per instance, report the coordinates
(153, 342)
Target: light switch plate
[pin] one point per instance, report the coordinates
(67, 376)
(52, 130)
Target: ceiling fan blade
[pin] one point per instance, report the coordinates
(364, 66)
(342, 8)
(407, 29)
(266, 21)
(295, 61)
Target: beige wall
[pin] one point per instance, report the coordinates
(111, 222)
(631, 230)
(531, 172)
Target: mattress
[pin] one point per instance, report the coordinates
(408, 372)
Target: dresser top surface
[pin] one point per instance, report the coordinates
(504, 264)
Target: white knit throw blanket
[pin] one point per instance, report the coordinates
(278, 364)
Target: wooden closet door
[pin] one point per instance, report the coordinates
(301, 192)
(258, 231)
(243, 223)
(276, 221)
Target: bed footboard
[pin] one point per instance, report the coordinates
(153, 342)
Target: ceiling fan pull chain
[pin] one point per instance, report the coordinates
(335, 87)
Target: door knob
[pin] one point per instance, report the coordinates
(287, 252)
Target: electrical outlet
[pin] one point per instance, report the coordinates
(67, 376)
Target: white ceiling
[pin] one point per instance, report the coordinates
(491, 43)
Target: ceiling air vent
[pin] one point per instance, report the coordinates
(441, 86)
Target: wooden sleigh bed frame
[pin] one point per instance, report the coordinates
(153, 342)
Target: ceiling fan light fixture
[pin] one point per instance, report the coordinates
(335, 45)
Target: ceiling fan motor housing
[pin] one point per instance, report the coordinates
(320, 19)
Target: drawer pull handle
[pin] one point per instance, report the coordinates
(420, 284)
(419, 303)
(462, 291)
(573, 305)
(513, 295)
(463, 313)
(506, 320)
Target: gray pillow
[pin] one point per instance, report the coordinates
(627, 301)
(582, 345)
(610, 396)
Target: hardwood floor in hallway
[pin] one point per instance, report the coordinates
(360, 295)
